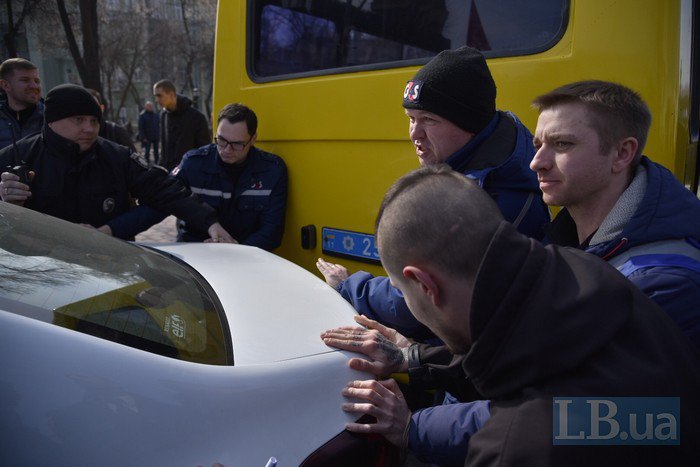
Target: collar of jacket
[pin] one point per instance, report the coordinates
(460, 160)
(5, 108)
(215, 165)
(182, 103)
(521, 322)
(667, 210)
(62, 147)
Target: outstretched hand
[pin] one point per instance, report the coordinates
(382, 400)
(333, 273)
(381, 344)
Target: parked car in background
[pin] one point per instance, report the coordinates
(180, 354)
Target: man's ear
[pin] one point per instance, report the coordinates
(626, 150)
(427, 283)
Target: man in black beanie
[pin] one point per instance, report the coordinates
(451, 107)
(77, 176)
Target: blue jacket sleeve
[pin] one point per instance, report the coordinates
(139, 218)
(677, 291)
(440, 435)
(377, 299)
(135, 221)
(269, 234)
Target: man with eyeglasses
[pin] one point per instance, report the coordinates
(245, 185)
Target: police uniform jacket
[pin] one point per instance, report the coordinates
(96, 187)
(253, 210)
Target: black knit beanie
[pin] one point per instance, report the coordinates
(69, 100)
(456, 85)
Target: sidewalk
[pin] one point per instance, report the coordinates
(164, 232)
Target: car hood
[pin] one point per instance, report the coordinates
(275, 309)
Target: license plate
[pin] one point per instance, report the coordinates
(348, 244)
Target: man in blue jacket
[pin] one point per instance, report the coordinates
(245, 185)
(618, 204)
(22, 113)
(451, 107)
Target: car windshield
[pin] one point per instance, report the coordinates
(84, 280)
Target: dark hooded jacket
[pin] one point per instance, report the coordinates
(656, 207)
(181, 130)
(548, 322)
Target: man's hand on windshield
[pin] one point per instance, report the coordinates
(384, 346)
(333, 273)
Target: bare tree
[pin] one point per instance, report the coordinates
(27, 10)
(123, 54)
(87, 63)
(197, 20)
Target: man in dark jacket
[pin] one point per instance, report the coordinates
(149, 131)
(182, 127)
(451, 107)
(245, 185)
(22, 113)
(537, 326)
(77, 176)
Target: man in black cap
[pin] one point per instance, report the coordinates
(451, 107)
(77, 176)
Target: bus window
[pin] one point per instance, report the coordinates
(292, 39)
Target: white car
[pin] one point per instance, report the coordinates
(191, 354)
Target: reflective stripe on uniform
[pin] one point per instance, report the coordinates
(256, 193)
(207, 192)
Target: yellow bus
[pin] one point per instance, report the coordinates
(326, 79)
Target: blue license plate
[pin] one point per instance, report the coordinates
(347, 244)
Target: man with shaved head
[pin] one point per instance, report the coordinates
(529, 324)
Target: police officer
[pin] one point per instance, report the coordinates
(77, 176)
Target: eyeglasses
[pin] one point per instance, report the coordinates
(235, 145)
